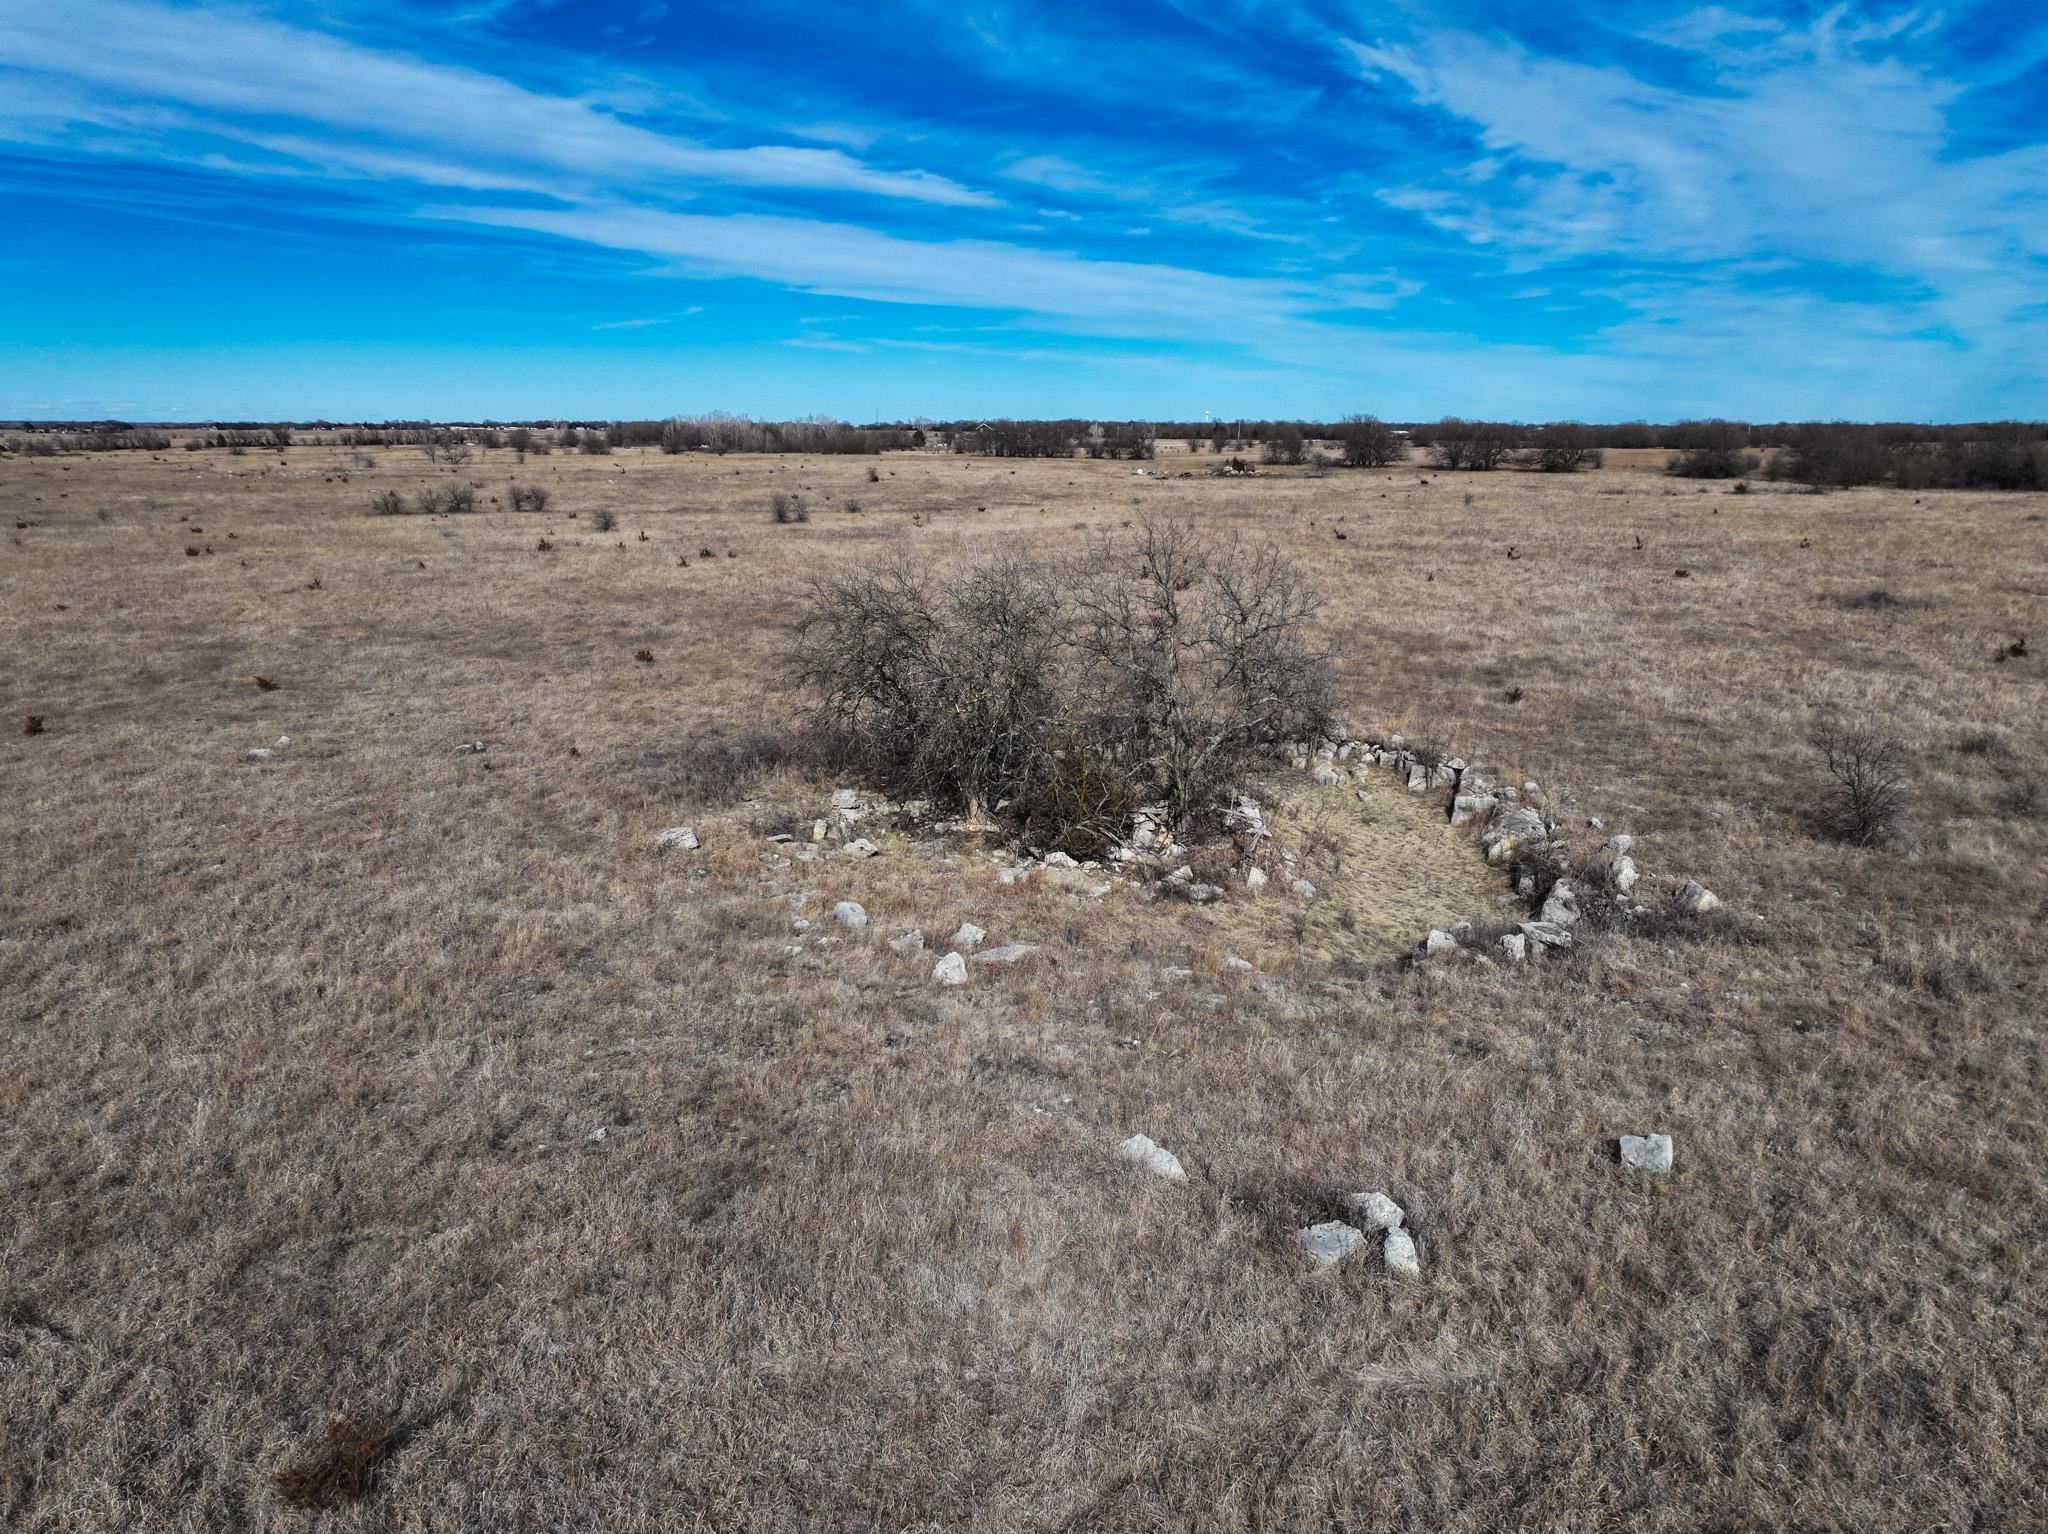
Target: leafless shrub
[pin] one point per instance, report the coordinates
(387, 503)
(605, 521)
(785, 508)
(460, 498)
(1194, 654)
(529, 498)
(429, 502)
(950, 690)
(1867, 789)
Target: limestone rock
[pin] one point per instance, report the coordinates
(1203, 894)
(1560, 906)
(1546, 934)
(1255, 877)
(861, 847)
(1513, 947)
(911, 941)
(1303, 890)
(1374, 1210)
(677, 836)
(1646, 1153)
(1009, 953)
(1398, 1253)
(969, 936)
(1514, 826)
(1329, 1243)
(1140, 1151)
(850, 913)
(1696, 898)
(951, 970)
(1439, 943)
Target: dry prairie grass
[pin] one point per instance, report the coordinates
(302, 1059)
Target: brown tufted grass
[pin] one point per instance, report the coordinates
(301, 1060)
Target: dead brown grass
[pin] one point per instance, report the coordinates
(302, 1061)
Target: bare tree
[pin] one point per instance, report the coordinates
(1369, 443)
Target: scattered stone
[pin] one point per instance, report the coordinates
(1058, 860)
(1618, 845)
(1513, 947)
(1234, 962)
(1009, 953)
(911, 941)
(1203, 894)
(951, 970)
(1329, 777)
(1255, 877)
(1399, 1254)
(1303, 890)
(596, 1136)
(1466, 808)
(1418, 779)
(1560, 906)
(861, 847)
(845, 798)
(472, 748)
(850, 913)
(969, 936)
(1646, 1153)
(1140, 1151)
(1696, 898)
(675, 837)
(1512, 828)
(1012, 875)
(1546, 934)
(820, 830)
(1330, 1243)
(1439, 943)
(1621, 873)
(1374, 1210)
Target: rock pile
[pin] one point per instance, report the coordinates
(1370, 1213)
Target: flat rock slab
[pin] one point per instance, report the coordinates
(850, 913)
(1646, 1153)
(1331, 1242)
(677, 837)
(1009, 953)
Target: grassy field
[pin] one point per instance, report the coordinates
(303, 1062)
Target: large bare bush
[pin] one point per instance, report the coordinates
(949, 687)
(1149, 668)
(1196, 653)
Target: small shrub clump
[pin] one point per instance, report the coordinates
(605, 521)
(1866, 792)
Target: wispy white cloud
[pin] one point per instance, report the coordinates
(240, 76)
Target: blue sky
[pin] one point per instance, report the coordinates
(505, 208)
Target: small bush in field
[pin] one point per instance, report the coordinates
(429, 502)
(605, 521)
(460, 498)
(387, 503)
(787, 508)
(1866, 793)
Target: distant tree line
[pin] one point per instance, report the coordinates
(2000, 455)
